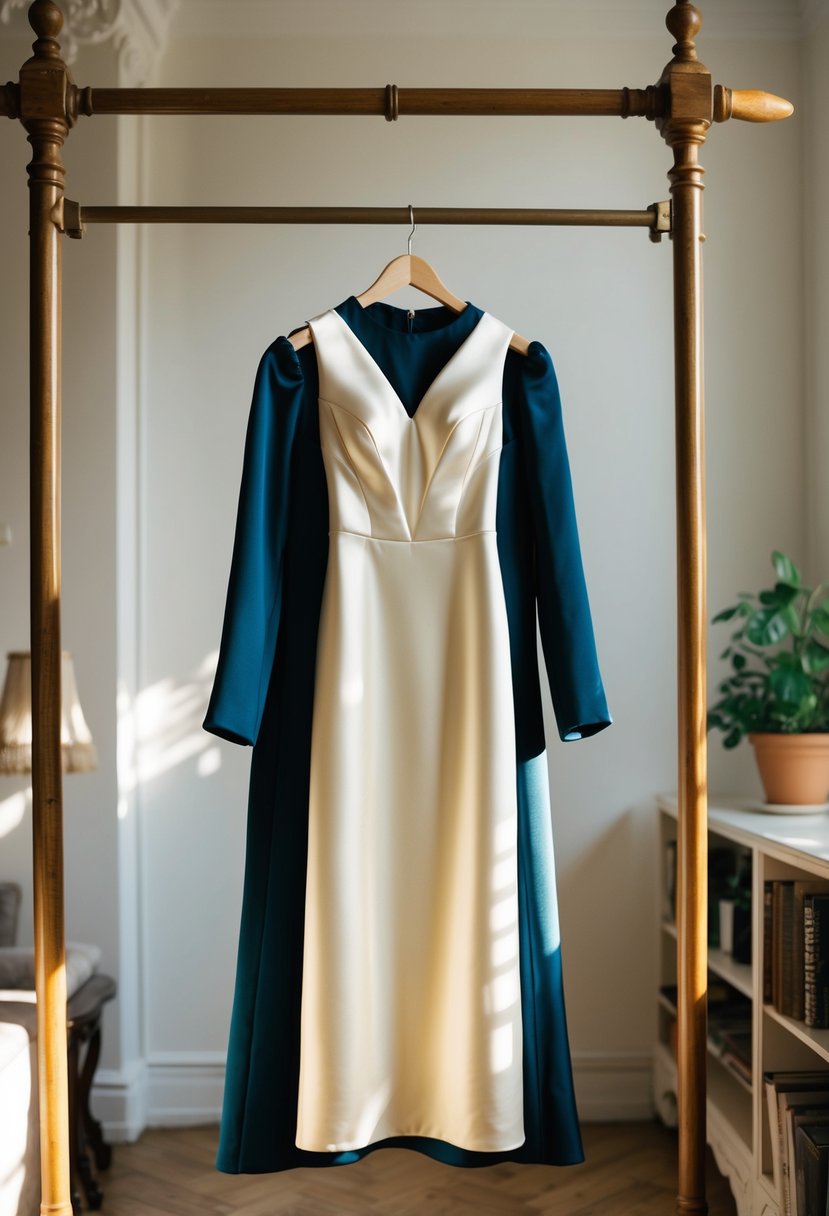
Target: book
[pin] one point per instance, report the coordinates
(737, 1040)
(670, 881)
(777, 1085)
(768, 902)
(786, 1003)
(790, 1106)
(779, 887)
(736, 1064)
(723, 1000)
(811, 1151)
(816, 960)
(800, 890)
(729, 1032)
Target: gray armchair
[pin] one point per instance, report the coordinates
(19, 1124)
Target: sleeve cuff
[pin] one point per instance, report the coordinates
(585, 729)
(226, 732)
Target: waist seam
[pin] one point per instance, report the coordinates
(395, 540)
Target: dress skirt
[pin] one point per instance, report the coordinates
(411, 1006)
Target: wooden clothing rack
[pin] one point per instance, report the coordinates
(682, 106)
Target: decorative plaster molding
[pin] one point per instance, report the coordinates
(140, 37)
(136, 28)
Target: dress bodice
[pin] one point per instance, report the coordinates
(431, 476)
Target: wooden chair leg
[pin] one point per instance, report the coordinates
(101, 1151)
(84, 1015)
(74, 1126)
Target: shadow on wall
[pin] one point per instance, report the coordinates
(162, 729)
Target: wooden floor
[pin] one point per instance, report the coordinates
(630, 1171)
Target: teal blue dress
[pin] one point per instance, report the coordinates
(263, 696)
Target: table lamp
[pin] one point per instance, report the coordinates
(77, 748)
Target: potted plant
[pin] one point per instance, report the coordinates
(777, 691)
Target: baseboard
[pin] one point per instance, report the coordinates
(185, 1089)
(118, 1099)
(169, 1090)
(613, 1087)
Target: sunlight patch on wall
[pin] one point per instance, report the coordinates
(126, 748)
(209, 762)
(13, 809)
(168, 719)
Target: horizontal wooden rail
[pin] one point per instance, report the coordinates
(390, 101)
(75, 216)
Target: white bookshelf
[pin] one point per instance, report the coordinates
(781, 846)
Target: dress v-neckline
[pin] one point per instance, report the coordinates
(436, 379)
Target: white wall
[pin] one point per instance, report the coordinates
(816, 284)
(147, 559)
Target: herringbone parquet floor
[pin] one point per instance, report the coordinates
(630, 1171)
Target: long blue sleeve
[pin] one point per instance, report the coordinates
(254, 596)
(563, 608)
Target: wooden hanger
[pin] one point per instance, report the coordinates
(407, 270)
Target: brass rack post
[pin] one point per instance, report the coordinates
(684, 129)
(43, 83)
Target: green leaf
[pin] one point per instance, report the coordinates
(790, 686)
(787, 571)
(733, 738)
(781, 595)
(789, 615)
(767, 627)
(819, 598)
(820, 619)
(738, 661)
(725, 615)
(816, 656)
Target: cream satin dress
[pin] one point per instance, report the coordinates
(411, 1002)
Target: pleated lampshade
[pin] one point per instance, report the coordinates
(77, 748)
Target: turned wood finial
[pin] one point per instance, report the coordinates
(684, 22)
(46, 20)
(751, 105)
(47, 105)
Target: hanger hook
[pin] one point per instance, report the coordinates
(413, 224)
